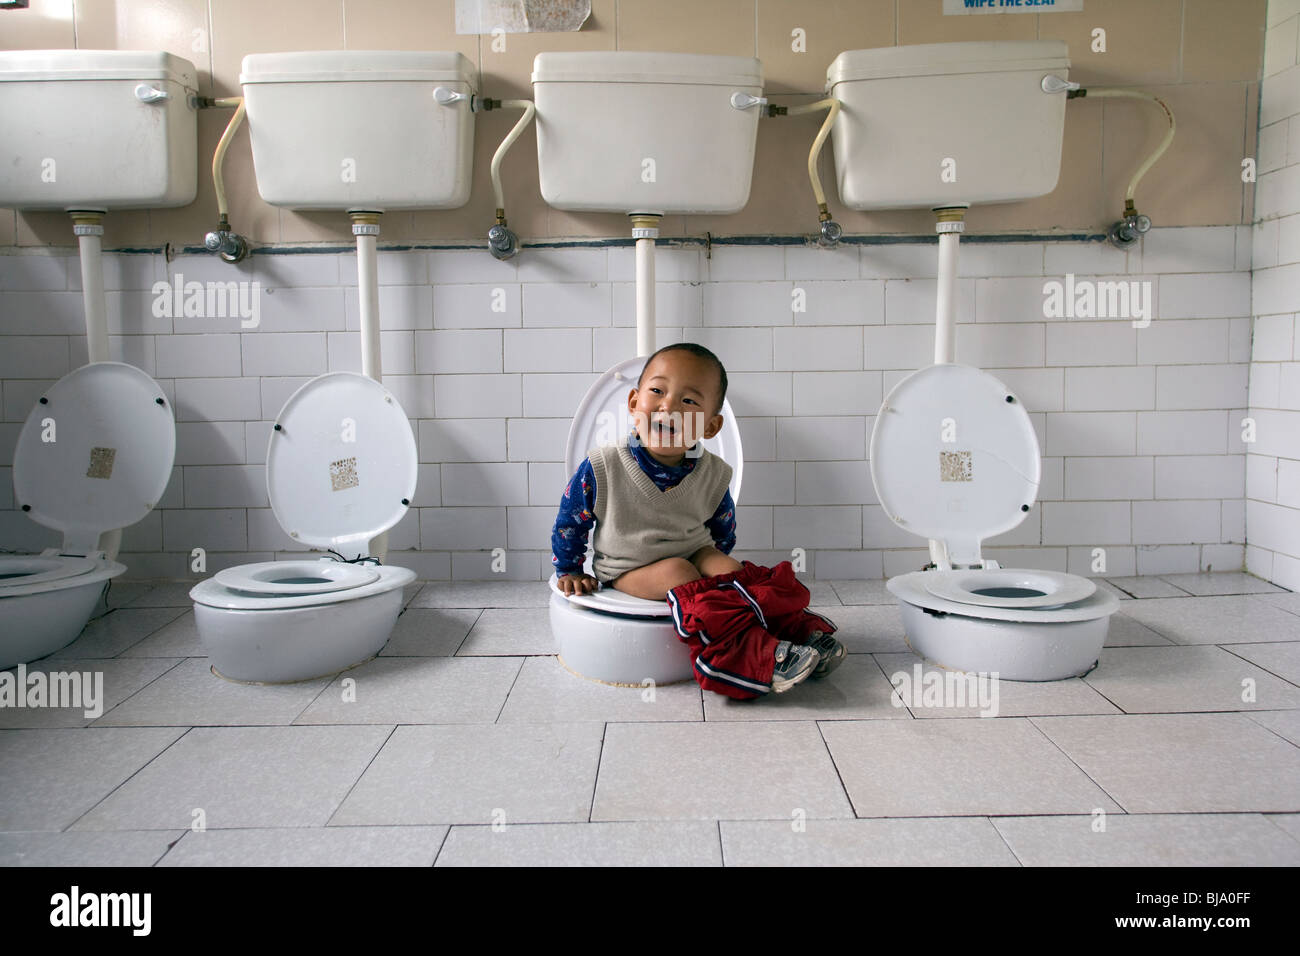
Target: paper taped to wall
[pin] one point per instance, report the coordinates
(521, 16)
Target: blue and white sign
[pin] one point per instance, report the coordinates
(960, 7)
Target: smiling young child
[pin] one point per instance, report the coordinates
(664, 525)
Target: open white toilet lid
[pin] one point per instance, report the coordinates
(966, 490)
(114, 441)
(602, 419)
(341, 463)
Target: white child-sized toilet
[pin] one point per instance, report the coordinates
(340, 470)
(954, 458)
(647, 134)
(94, 455)
(607, 635)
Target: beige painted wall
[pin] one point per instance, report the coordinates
(1203, 56)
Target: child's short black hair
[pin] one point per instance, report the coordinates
(700, 352)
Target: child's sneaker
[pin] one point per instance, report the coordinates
(794, 663)
(832, 653)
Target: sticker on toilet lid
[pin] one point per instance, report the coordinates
(341, 463)
(343, 474)
(954, 457)
(101, 463)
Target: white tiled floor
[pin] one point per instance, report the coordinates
(467, 742)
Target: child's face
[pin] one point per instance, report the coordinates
(675, 405)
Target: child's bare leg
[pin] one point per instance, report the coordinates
(654, 581)
(709, 561)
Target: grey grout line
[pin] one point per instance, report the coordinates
(595, 783)
(369, 763)
(468, 631)
(129, 777)
(1173, 585)
(518, 670)
(1269, 817)
(1246, 660)
(442, 844)
(980, 815)
(1003, 837)
(329, 683)
(880, 667)
(177, 663)
(170, 846)
(838, 775)
(1295, 613)
(1266, 727)
(1096, 783)
(1096, 690)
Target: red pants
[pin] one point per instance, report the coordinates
(733, 622)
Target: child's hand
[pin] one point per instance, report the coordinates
(578, 584)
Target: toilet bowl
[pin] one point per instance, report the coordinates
(340, 470)
(609, 636)
(94, 454)
(616, 638)
(954, 459)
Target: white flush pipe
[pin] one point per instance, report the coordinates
(365, 226)
(645, 296)
(949, 226)
(89, 229)
(645, 229)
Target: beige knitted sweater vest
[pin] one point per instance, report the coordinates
(637, 524)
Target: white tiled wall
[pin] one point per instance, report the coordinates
(1139, 427)
(1272, 498)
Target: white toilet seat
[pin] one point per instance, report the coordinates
(340, 471)
(1000, 587)
(212, 593)
(912, 589)
(610, 600)
(38, 619)
(20, 572)
(296, 578)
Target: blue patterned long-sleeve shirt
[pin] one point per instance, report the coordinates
(578, 509)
